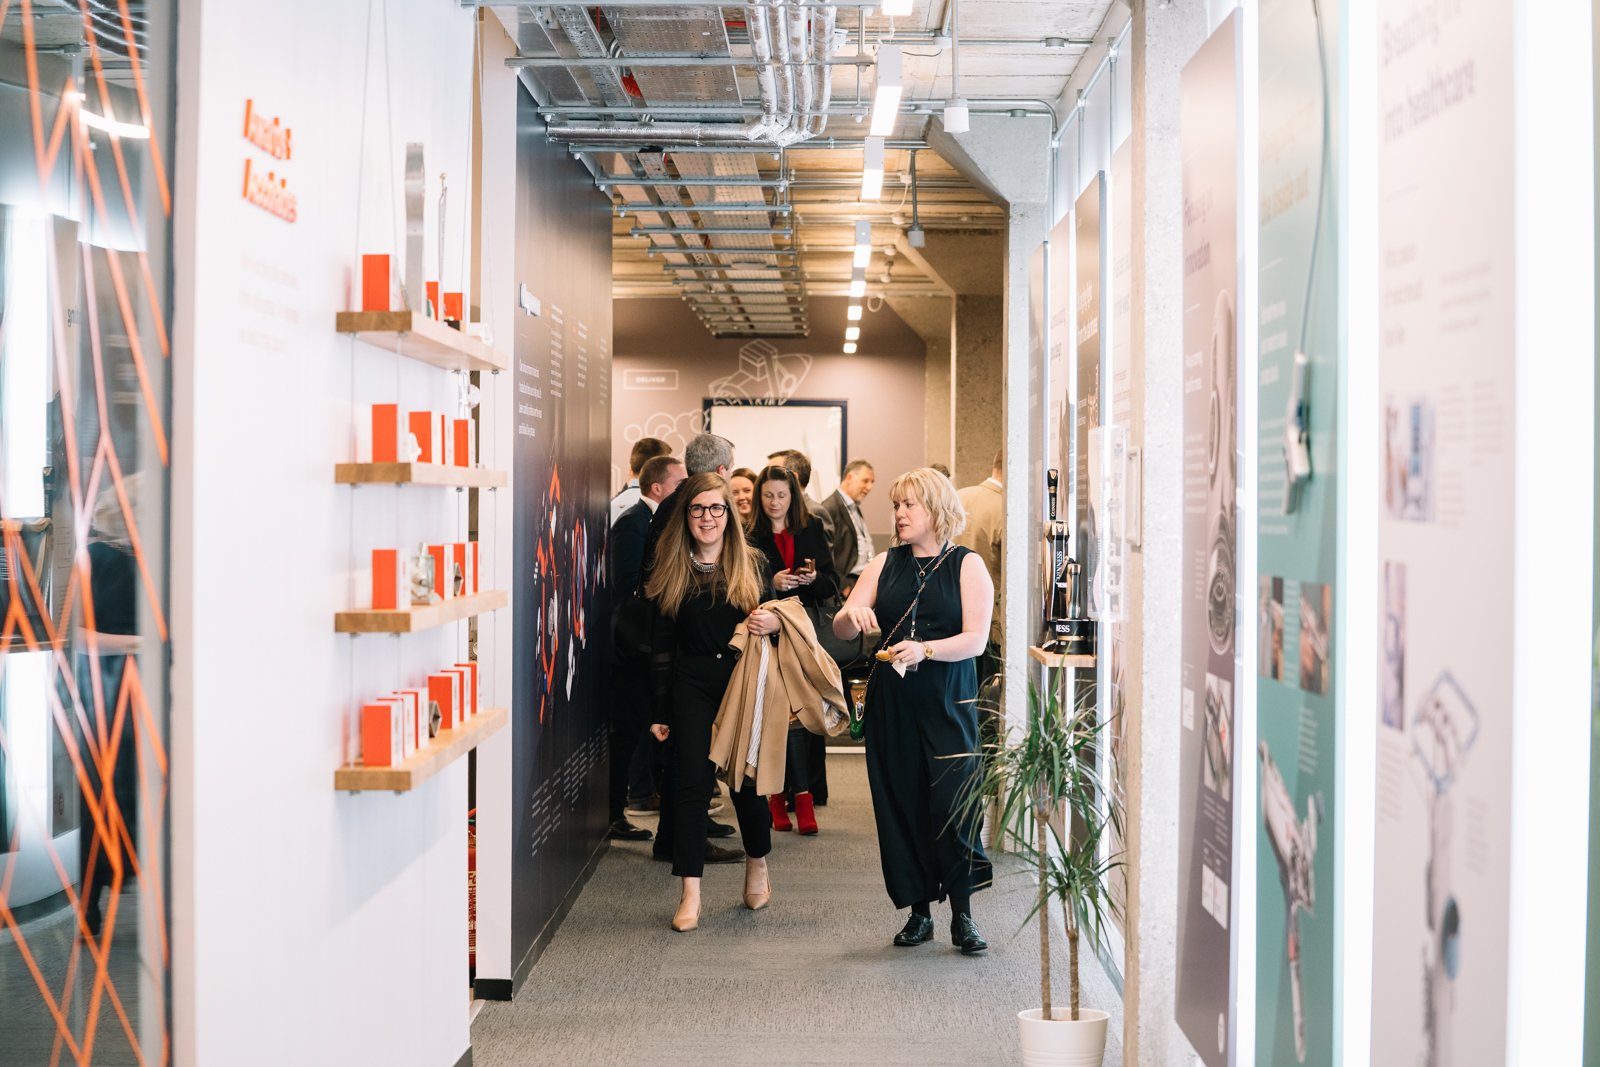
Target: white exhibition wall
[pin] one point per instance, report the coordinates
(317, 927)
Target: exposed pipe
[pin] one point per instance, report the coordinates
(822, 26)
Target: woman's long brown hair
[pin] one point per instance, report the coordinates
(795, 519)
(674, 577)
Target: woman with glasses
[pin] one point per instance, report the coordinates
(800, 561)
(706, 581)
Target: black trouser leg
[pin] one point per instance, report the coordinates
(796, 761)
(691, 774)
(755, 820)
(817, 764)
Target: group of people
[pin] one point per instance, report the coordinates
(722, 570)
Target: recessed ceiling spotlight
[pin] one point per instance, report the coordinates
(849, 348)
(852, 333)
(853, 313)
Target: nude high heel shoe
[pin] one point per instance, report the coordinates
(684, 920)
(755, 899)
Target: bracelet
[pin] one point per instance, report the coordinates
(927, 650)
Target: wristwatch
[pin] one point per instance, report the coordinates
(927, 650)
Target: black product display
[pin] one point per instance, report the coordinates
(1066, 630)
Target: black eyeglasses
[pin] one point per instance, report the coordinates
(716, 511)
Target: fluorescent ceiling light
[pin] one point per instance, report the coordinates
(886, 97)
(858, 282)
(852, 333)
(108, 125)
(853, 313)
(872, 169)
(863, 254)
(896, 9)
(849, 348)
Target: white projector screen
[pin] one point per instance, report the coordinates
(815, 427)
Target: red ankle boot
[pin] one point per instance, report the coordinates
(805, 814)
(779, 804)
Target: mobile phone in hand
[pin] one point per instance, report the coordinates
(807, 566)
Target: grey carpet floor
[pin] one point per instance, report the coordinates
(810, 980)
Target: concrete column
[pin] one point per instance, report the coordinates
(1164, 37)
(933, 319)
(978, 375)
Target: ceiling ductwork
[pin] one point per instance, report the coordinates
(709, 128)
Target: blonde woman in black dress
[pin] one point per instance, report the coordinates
(931, 600)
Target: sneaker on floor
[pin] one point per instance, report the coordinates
(650, 805)
(623, 830)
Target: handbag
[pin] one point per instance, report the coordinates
(851, 652)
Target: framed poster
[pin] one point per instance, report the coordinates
(760, 426)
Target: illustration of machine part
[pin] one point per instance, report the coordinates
(1297, 434)
(1222, 472)
(1297, 421)
(763, 372)
(1294, 844)
(1444, 727)
(1217, 736)
(1394, 644)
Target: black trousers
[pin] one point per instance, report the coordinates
(797, 760)
(697, 687)
(630, 721)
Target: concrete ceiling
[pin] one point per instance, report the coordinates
(699, 89)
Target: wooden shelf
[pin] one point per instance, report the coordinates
(419, 337)
(418, 474)
(437, 754)
(410, 620)
(1058, 659)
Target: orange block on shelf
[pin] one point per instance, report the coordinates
(446, 442)
(463, 442)
(444, 689)
(420, 423)
(443, 581)
(375, 283)
(452, 307)
(385, 579)
(386, 433)
(382, 735)
(472, 688)
(433, 298)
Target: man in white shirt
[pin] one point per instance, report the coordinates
(644, 450)
(852, 544)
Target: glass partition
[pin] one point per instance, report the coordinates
(85, 212)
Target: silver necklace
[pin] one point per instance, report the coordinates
(703, 568)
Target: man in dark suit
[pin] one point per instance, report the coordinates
(852, 544)
(630, 698)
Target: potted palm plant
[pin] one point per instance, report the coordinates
(1050, 804)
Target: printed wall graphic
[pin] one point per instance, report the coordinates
(563, 374)
(1210, 134)
(1297, 533)
(1087, 240)
(1446, 378)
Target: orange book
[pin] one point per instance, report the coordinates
(386, 433)
(444, 689)
(420, 423)
(463, 442)
(471, 699)
(443, 583)
(446, 442)
(381, 735)
(452, 306)
(433, 298)
(385, 579)
(374, 283)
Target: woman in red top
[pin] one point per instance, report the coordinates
(800, 561)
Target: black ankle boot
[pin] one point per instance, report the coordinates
(964, 934)
(918, 930)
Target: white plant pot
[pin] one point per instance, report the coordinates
(1061, 1042)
